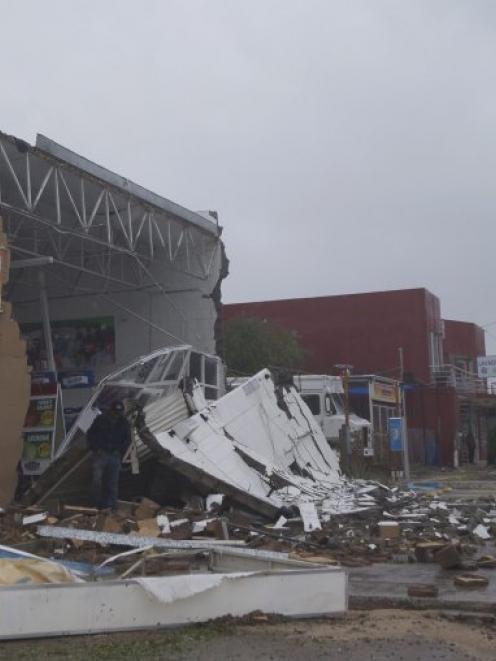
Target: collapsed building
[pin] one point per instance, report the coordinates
(230, 502)
(259, 444)
(101, 271)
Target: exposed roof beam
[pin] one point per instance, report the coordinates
(81, 163)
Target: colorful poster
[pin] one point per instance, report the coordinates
(41, 413)
(37, 445)
(78, 344)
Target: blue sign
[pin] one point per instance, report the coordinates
(396, 434)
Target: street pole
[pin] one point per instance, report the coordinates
(346, 371)
(406, 459)
(45, 316)
(346, 384)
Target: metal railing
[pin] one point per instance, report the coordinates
(466, 383)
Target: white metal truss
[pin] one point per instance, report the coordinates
(96, 228)
(149, 378)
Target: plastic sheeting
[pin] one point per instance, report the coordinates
(20, 571)
(182, 587)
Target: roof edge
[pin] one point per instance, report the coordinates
(54, 149)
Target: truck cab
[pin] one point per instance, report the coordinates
(324, 396)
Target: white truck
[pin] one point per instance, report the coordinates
(324, 396)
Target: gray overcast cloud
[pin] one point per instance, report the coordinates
(348, 145)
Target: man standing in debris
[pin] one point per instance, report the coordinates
(108, 439)
(470, 443)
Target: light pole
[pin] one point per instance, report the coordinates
(345, 375)
(406, 458)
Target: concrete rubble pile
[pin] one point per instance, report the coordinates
(260, 475)
(398, 528)
(257, 474)
(251, 490)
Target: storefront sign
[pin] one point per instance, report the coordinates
(384, 392)
(486, 367)
(395, 434)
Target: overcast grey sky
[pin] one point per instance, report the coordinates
(348, 145)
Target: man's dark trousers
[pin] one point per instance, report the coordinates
(106, 467)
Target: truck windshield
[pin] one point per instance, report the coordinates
(313, 403)
(338, 402)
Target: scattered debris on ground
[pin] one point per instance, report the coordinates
(400, 527)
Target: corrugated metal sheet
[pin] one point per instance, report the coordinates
(162, 415)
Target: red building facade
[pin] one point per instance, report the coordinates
(368, 331)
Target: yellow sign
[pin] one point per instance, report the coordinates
(385, 392)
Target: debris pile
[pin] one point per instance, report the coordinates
(396, 527)
(258, 477)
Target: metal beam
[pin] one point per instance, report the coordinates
(73, 196)
(33, 261)
(81, 163)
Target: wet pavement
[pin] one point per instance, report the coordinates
(390, 581)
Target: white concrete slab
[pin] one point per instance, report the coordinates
(54, 610)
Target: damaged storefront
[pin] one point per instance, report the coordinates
(101, 271)
(263, 515)
(114, 293)
(378, 399)
(251, 461)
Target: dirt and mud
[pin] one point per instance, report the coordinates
(379, 635)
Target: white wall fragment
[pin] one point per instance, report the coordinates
(281, 522)
(481, 532)
(310, 517)
(34, 518)
(163, 523)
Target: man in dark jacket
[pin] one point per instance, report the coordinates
(470, 443)
(108, 439)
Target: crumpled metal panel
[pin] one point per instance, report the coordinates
(253, 439)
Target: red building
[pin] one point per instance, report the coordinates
(370, 331)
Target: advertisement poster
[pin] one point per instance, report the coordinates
(78, 344)
(37, 445)
(396, 434)
(41, 413)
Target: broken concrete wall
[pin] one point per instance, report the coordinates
(14, 387)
